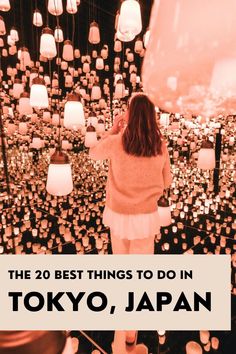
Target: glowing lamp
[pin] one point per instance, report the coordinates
(55, 7)
(74, 113)
(164, 211)
(2, 27)
(24, 107)
(193, 61)
(130, 21)
(58, 34)
(193, 348)
(68, 51)
(47, 44)
(38, 93)
(206, 156)
(59, 179)
(94, 33)
(71, 6)
(37, 19)
(5, 5)
(90, 137)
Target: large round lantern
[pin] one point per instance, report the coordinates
(59, 179)
(74, 112)
(94, 33)
(190, 65)
(164, 211)
(206, 156)
(47, 44)
(38, 93)
(130, 21)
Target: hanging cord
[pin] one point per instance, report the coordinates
(58, 89)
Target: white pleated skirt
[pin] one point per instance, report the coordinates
(131, 226)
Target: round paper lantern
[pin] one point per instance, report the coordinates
(59, 179)
(90, 137)
(94, 33)
(206, 156)
(24, 107)
(71, 6)
(130, 21)
(37, 18)
(5, 5)
(74, 112)
(193, 62)
(68, 51)
(55, 7)
(164, 212)
(2, 27)
(193, 348)
(47, 44)
(58, 34)
(38, 94)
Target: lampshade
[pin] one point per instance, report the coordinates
(90, 137)
(94, 33)
(2, 26)
(164, 212)
(58, 35)
(71, 6)
(193, 61)
(14, 35)
(130, 21)
(96, 92)
(74, 113)
(99, 63)
(18, 88)
(193, 348)
(117, 46)
(5, 5)
(68, 51)
(119, 89)
(24, 107)
(37, 18)
(55, 7)
(206, 156)
(38, 94)
(47, 44)
(59, 179)
(24, 57)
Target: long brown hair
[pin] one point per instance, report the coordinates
(142, 137)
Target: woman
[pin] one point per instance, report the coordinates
(139, 171)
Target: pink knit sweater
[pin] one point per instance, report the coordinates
(134, 184)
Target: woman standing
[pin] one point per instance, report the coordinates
(139, 171)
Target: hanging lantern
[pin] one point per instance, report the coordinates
(58, 34)
(206, 156)
(117, 46)
(130, 57)
(90, 137)
(164, 212)
(10, 41)
(17, 88)
(71, 6)
(74, 112)
(130, 21)
(38, 94)
(86, 67)
(96, 92)
(36, 142)
(68, 51)
(37, 18)
(183, 85)
(59, 179)
(55, 119)
(55, 7)
(138, 46)
(5, 5)
(193, 348)
(2, 27)
(24, 107)
(92, 120)
(94, 33)
(24, 57)
(119, 89)
(77, 53)
(14, 34)
(33, 74)
(99, 63)
(23, 128)
(64, 65)
(47, 44)
(104, 53)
